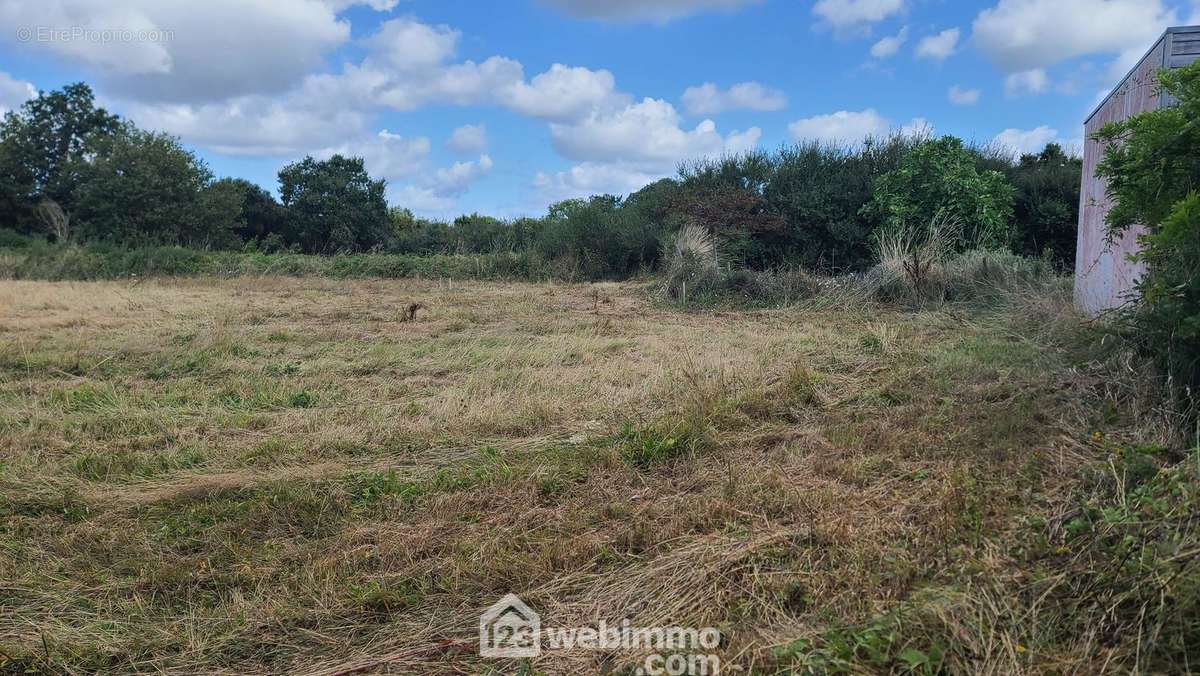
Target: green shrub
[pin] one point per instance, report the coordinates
(939, 177)
(1151, 160)
(819, 191)
(801, 205)
(11, 239)
(1168, 318)
(1046, 216)
(1152, 165)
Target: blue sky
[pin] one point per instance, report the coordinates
(504, 107)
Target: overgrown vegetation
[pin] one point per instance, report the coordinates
(1152, 165)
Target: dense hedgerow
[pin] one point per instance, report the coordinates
(812, 205)
(50, 262)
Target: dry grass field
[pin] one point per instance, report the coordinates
(287, 475)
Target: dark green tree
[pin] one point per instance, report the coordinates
(598, 237)
(259, 214)
(42, 146)
(819, 190)
(144, 187)
(334, 205)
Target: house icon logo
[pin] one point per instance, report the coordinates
(510, 629)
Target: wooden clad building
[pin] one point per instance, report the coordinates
(1104, 277)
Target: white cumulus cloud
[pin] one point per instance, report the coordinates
(454, 180)
(193, 51)
(562, 93)
(1024, 35)
(386, 155)
(1022, 141)
(708, 99)
(939, 47)
(14, 92)
(963, 97)
(327, 107)
(435, 192)
(1026, 82)
(852, 127)
(591, 178)
(842, 14)
(919, 127)
(887, 47)
(647, 133)
(407, 44)
(840, 127)
(255, 125)
(469, 138)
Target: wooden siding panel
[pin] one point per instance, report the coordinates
(1104, 276)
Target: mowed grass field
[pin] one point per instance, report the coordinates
(286, 475)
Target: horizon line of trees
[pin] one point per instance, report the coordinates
(74, 171)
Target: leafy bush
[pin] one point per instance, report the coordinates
(1152, 165)
(801, 205)
(724, 197)
(42, 147)
(939, 177)
(599, 237)
(1150, 160)
(256, 216)
(1169, 316)
(819, 191)
(11, 239)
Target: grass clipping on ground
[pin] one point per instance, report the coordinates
(292, 475)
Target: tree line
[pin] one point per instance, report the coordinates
(84, 175)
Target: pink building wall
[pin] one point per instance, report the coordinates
(1104, 275)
